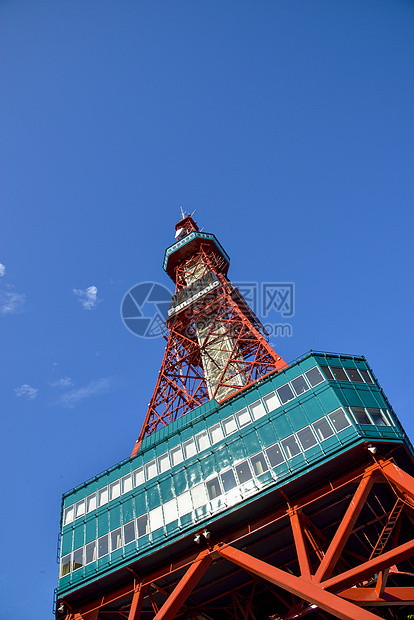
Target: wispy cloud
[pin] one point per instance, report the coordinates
(26, 391)
(94, 388)
(65, 382)
(2, 269)
(11, 302)
(88, 298)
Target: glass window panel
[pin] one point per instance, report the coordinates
(271, 401)
(129, 532)
(299, 385)
(213, 488)
(114, 489)
(202, 441)
(361, 415)
(243, 472)
(306, 437)
(102, 496)
(163, 462)
(184, 503)
(189, 448)
(150, 470)
(339, 373)
(170, 511)
(80, 509)
(138, 476)
(176, 455)
(285, 393)
(68, 515)
(314, 376)
(228, 480)
(259, 464)
(77, 559)
(378, 417)
(102, 546)
(243, 417)
(257, 410)
(290, 446)
(198, 494)
(339, 419)
(327, 373)
(366, 375)
(156, 519)
(65, 565)
(126, 483)
(275, 456)
(229, 425)
(116, 539)
(91, 503)
(354, 375)
(322, 429)
(90, 552)
(142, 525)
(216, 433)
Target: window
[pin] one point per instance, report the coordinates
(138, 476)
(116, 539)
(322, 429)
(114, 490)
(229, 425)
(184, 503)
(102, 496)
(189, 448)
(199, 497)
(243, 471)
(228, 480)
(378, 417)
(299, 385)
(80, 509)
(285, 393)
(243, 417)
(91, 503)
(176, 455)
(290, 446)
(163, 463)
(361, 415)
(142, 525)
(90, 552)
(102, 546)
(259, 464)
(150, 470)
(216, 433)
(126, 483)
(257, 409)
(213, 488)
(340, 374)
(339, 419)
(314, 376)
(275, 455)
(354, 375)
(327, 373)
(65, 565)
(156, 519)
(202, 441)
(271, 401)
(77, 559)
(366, 375)
(170, 511)
(129, 532)
(68, 515)
(306, 437)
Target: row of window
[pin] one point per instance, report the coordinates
(196, 444)
(226, 482)
(370, 415)
(338, 373)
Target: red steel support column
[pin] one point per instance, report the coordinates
(300, 544)
(296, 585)
(397, 476)
(137, 601)
(184, 587)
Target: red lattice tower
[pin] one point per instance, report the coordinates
(215, 343)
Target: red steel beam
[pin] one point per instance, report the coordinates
(300, 544)
(184, 587)
(390, 596)
(403, 481)
(297, 586)
(137, 600)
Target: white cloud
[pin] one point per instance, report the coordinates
(2, 269)
(10, 301)
(26, 391)
(88, 297)
(94, 388)
(64, 382)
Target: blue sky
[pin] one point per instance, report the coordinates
(288, 126)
